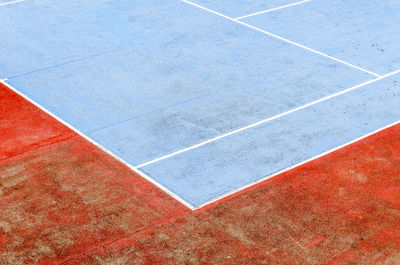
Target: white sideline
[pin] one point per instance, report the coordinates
(282, 38)
(294, 166)
(172, 194)
(166, 190)
(266, 120)
(273, 9)
(136, 170)
(12, 2)
(175, 196)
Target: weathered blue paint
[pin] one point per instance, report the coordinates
(147, 78)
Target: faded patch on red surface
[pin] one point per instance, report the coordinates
(315, 241)
(24, 127)
(65, 200)
(71, 203)
(329, 211)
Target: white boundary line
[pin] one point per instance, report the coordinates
(266, 120)
(12, 2)
(282, 38)
(166, 190)
(273, 9)
(136, 170)
(294, 166)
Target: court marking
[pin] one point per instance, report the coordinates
(175, 196)
(273, 9)
(11, 2)
(145, 176)
(281, 38)
(136, 170)
(267, 119)
(294, 166)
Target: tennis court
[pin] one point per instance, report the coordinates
(206, 99)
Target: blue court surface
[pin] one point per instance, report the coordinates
(206, 97)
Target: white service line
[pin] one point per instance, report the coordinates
(294, 166)
(273, 9)
(266, 120)
(166, 190)
(136, 170)
(282, 38)
(12, 2)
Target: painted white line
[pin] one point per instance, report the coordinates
(12, 2)
(282, 38)
(266, 120)
(273, 9)
(166, 190)
(296, 165)
(136, 170)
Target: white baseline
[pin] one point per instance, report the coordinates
(293, 166)
(273, 9)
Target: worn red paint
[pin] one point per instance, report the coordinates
(71, 203)
(60, 195)
(65, 200)
(328, 211)
(24, 127)
(315, 241)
